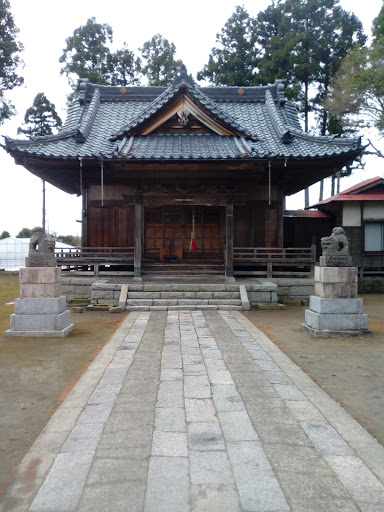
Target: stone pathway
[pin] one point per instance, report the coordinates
(198, 411)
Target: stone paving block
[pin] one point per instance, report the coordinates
(63, 420)
(135, 437)
(258, 487)
(277, 377)
(289, 392)
(192, 359)
(171, 374)
(211, 353)
(267, 365)
(171, 360)
(227, 398)
(325, 438)
(205, 436)
(288, 433)
(196, 386)
(125, 420)
(113, 377)
(64, 484)
(323, 494)
(84, 437)
(363, 486)
(220, 377)
(168, 485)
(197, 409)
(214, 498)
(215, 365)
(295, 458)
(122, 496)
(169, 444)
(104, 470)
(96, 413)
(237, 426)
(194, 369)
(210, 467)
(170, 394)
(305, 411)
(170, 419)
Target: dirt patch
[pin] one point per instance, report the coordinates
(350, 370)
(36, 374)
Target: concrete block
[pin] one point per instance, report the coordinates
(51, 306)
(335, 306)
(244, 298)
(102, 294)
(263, 297)
(211, 287)
(144, 295)
(164, 302)
(337, 322)
(41, 322)
(336, 290)
(40, 275)
(336, 274)
(40, 290)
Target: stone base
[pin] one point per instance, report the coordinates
(39, 334)
(328, 333)
(336, 322)
(40, 318)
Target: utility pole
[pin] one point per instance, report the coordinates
(43, 223)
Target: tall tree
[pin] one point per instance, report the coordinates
(87, 54)
(24, 233)
(4, 234)
(124, 67)
(356, 96)
(304, 42)
(10, 59)
(40, 119)
(234, 62)
(160, 64)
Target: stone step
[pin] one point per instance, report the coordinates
(175, 295)
(222, 307)
(182, 302)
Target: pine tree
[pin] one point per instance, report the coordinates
(10, 59)
(40, 119)
(160, 64)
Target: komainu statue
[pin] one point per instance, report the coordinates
(335, 250)
(41, 249)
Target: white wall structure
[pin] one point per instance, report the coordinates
(13, 252)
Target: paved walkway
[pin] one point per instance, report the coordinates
(198, 411)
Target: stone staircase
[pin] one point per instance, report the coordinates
(187, 296)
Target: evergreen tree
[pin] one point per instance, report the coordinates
(24, 233)
(87, 54)
(234, 62)
(10, 49)
(124, 67)
(41, 118)
(4, 234)
(160, 63)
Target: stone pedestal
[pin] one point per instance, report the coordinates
(335, 310)
(41, 309)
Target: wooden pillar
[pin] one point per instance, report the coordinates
(229, 240)
(138, 239)
(280, 221)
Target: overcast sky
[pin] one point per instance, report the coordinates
(45, 24)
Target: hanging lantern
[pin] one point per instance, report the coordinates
(192, 245)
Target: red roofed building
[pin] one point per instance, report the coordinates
(360, 211)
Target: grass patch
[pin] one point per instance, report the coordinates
(9, 287)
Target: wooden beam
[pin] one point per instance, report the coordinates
(138, 240)
(229, 240)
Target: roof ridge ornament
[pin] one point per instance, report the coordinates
(83, 86)
(182, 77)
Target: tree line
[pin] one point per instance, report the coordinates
(316, 46)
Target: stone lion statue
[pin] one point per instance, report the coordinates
(41, 249)
(335, 249)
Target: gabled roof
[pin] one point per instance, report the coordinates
(241, 123)
(368, 190)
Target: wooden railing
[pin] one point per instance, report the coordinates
(274, 261)
(86, 257)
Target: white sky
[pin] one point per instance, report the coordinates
(45, 24)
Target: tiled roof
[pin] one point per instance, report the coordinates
(360, 192)
(105, 122)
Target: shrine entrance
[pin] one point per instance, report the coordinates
(184, 232)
